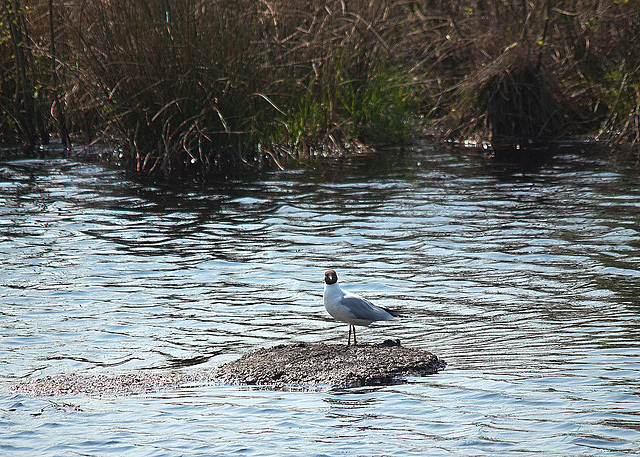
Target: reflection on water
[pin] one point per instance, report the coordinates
(525, 280)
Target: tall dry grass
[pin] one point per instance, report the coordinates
(204, 86)
(529, 70)
(207, 85)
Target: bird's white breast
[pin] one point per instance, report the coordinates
(332, 298)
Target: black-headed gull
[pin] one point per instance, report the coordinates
(351, 308)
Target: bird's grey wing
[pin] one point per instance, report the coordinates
(361, 308)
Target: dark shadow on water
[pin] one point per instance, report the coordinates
(191, 361)
(510, 161)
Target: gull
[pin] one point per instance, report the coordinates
(351, 308)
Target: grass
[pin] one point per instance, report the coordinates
(204, 87)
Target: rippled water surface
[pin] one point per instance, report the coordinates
(526, 280)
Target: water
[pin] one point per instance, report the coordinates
(526, 280)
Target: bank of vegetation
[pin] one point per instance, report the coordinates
(204, 86)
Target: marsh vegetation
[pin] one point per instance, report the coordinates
(206, 86)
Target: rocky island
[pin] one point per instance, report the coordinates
(337, 365)
(292, 366)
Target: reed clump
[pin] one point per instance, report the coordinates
(529, 71)
(206, 87)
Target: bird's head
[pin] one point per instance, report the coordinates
(330, 277)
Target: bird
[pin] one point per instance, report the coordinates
(351, 308)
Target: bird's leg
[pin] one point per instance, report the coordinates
(354, 336)
(349, 340)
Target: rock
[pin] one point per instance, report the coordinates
(335, 365)
(299, 365)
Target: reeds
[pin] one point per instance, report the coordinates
(544, 69)
(18, 81)
(205, 86)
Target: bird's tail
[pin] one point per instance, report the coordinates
(393, 312)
